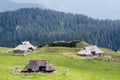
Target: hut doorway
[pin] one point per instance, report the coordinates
(93, 53)
(42, 68)
(100, 54)
(29, 70)
(30, 48)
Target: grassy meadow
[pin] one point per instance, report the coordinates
(4, 49)
(104, 68)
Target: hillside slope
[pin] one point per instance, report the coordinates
(94, 69)
(41, 26)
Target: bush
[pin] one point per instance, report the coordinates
(64, 44)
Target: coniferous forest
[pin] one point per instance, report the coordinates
(41, 26)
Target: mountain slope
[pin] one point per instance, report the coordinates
(40, 26)
(8, 5)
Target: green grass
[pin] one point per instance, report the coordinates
(82, 44)
(4, 49)
(78, 69)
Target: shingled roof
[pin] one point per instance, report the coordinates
(88, 51)
(24, 47)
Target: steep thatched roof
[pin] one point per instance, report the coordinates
(35, 64)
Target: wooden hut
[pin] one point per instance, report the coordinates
(39, 66)
(90, 51)
(24, 47)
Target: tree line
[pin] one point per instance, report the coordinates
(42, 26)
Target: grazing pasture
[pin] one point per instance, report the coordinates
(69, 65)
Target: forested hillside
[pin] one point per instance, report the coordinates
(41, 26)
